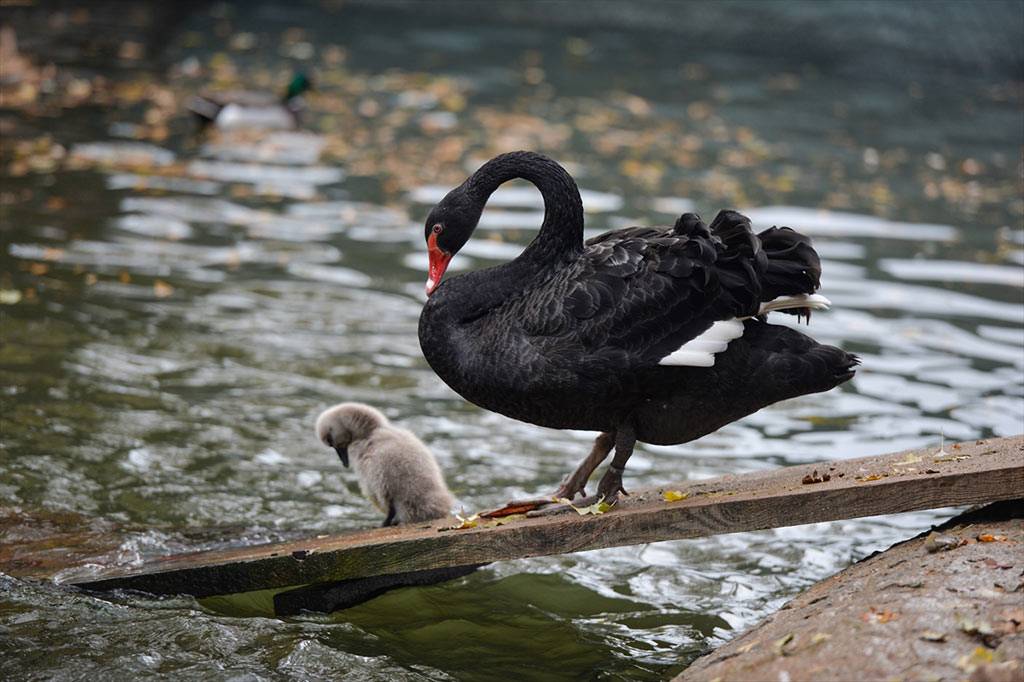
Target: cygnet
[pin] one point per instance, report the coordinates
(395, 469)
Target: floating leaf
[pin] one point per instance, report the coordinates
(674, 495)
(162, 289)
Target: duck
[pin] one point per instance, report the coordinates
(657, 335)
(396, 471)
(243, 109)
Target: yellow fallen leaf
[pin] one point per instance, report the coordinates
(780, 644)
(747, 647)
(910, 459)
(820, 637)
(9, 296)
(599, 507)
(464, 522)
(674, 495)
(988, 537)
(970, 662)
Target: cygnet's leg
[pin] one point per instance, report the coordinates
(390, 520)
(576, 481)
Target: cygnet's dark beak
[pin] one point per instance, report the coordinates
(342, 454)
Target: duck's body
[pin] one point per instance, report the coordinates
(244, 109)
(650, 334)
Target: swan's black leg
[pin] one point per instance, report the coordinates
(390, 520)
(611, 483)
(576, 481)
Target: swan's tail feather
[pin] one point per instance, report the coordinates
(741, 260)
(793, 266)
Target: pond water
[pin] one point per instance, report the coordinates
(176, 309)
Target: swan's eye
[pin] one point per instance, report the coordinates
(436, 229)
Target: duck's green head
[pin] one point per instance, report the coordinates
(300, 84)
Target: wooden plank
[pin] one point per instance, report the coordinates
(969, 473)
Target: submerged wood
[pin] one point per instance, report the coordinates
(968, 473)
(347, 593)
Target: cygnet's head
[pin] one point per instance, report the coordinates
(338, 426)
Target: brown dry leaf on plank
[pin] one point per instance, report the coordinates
(813, 477)
(502, 520)
(873, 615)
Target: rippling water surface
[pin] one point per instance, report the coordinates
(176, 311)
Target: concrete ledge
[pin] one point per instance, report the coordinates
(947, 605)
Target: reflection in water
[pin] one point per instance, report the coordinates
(178, 321)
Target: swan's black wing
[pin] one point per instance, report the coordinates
(638, 294)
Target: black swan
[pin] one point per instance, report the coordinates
(654, 334)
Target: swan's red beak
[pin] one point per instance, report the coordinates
(439, 259)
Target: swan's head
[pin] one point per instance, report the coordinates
(338, 426)
(447, 229)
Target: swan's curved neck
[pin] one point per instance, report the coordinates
(561, 233)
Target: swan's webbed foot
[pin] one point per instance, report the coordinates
(607, 491)
(572, 485)
(611, 484)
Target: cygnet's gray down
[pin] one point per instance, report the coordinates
(395, 469)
